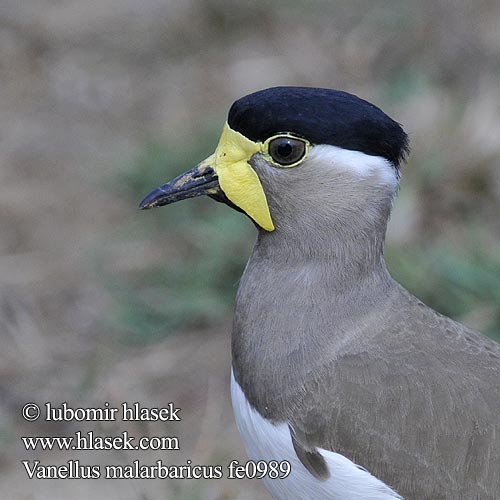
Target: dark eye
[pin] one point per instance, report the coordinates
(287, 150)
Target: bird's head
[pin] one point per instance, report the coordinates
(297, 159)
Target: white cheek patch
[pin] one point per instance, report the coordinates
(356, 163)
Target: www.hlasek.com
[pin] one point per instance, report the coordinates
(74, 469)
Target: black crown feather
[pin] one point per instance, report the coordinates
(323, 116)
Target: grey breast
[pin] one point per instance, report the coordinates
(373, 374)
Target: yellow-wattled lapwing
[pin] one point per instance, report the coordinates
(365, 390)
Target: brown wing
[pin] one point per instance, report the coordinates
(418, 406)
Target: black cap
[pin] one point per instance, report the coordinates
(323, 116)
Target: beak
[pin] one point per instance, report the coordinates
(198, 181)
(226, 176)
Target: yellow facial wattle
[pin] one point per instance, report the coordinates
(238, 179)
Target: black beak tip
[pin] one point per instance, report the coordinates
(194, 182)
(150, 201)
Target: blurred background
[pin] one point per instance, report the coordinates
(103, 100)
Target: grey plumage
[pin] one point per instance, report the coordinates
(325, 340)
(326, 345)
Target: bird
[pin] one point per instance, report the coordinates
(337, 370)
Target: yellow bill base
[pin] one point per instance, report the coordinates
(238, 179)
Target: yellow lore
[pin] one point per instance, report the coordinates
(238, 179)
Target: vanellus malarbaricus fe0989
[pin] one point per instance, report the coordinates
(366, 391)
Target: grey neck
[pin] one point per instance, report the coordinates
(346, 257)
(300, 303)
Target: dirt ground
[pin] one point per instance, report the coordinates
(93, 93)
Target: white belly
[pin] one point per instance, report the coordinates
(265, 441)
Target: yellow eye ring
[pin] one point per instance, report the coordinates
(285, 150)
